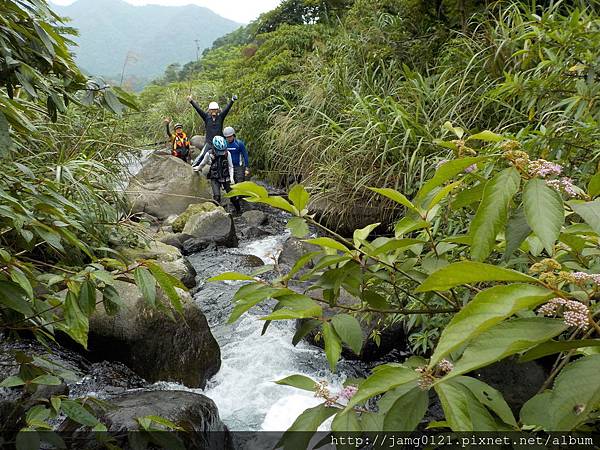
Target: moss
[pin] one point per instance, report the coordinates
(196, 208)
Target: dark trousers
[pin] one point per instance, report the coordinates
(216, 189)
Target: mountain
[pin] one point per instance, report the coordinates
(151, 37)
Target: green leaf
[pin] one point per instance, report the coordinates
(249, 189)
(466, 272)
(333, 345)
(545, 212)
(397, 197)
(360, 236)
(231, 276)
(168, 283)
(407, 411)
(147, 285)
(396, 244)
(12, 296)
(593, 186)
(462, 409)
(279, 203)
(386, 377)
(505, 339)
(590, 212)
(517, 231)
(375, 300)
(344, 423)
(298, 227)
(301, 262)
(113, 102)
(87, 298)
(487, 136)
(348, 329)
(47, 379)
(444, 173)
(76, 322)
(295, 306)
(299, 197)
(572, 399)
(492, 212)
(552, 347)
(12, 381)
(298, 381)
(78, 413)
(5, 139)
(308, 422)
(249, 296)
(326, 242)
(28, 439)
(489, 397)
(21, 279)
(467, 197)
(307, 326)
(488, 308)
(111, 300)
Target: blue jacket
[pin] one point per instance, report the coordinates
(237, 149)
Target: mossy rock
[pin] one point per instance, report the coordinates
(196, 208)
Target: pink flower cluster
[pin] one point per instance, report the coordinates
(582, 277)
(348, 392)
(575, 314)
(542, 168)
(440, 163)
(565, 185)
(471, 168)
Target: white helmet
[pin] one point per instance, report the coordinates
(213, 105)
(228, 131)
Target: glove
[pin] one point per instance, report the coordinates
(190, 98)
(234, 98)
(196, 169)
(167, 120)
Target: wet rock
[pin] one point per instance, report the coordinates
(197, 141)
(292, 250)
(255, 218)
(252, 261)
(518, 382)
(166, 186)
(255, 233)
(195, 413)
(172, 239)
(213, 226)
(153, 345)
(197, 208)
(194, 245)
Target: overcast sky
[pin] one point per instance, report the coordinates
(239, 10)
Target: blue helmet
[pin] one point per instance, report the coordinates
(220, 144)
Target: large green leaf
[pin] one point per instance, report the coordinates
(488, 308)
(87, 298)
(466, 272)
(308, 422)
(299, 197)
(78, 413)
(348, 329)
(344, 423)
(545, 212)
(386, 377)
(298, 227)
(552, 347)
(326, 242)
(146, 284)
(489, 397)
(249, 296)
(397, 197)
(444, 173)
(517, 231)
(492, 212)
(15, 298)
(231, 276)
(467, 197)
(76, 322)
(593, 185)
(407, 411)
(574, 396)
(298, 381)
(167, 283)
(505, 339)
(463, 411)
(333, 345)
(590, 212)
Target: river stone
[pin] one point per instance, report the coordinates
(255, 218)
(213, 226)
(194, 245)
(172, 239)
(154, 346)
(292, 250)
(195, 413)
(197, 141)
(166, 186)
(197, 208)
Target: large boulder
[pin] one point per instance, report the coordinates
(166, 186)
(154, 345)
(195, 413)
(168, 257)
(197, 141)
(292, 250)
(255, 218)
(212, 226)
(197, 208)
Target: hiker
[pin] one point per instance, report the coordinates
(180, 145)
(220, 173)
(239, 155)
(213, 122)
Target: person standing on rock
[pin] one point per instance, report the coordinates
(213, 122)
(239, 155)
(220, 173)
(180, 145)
